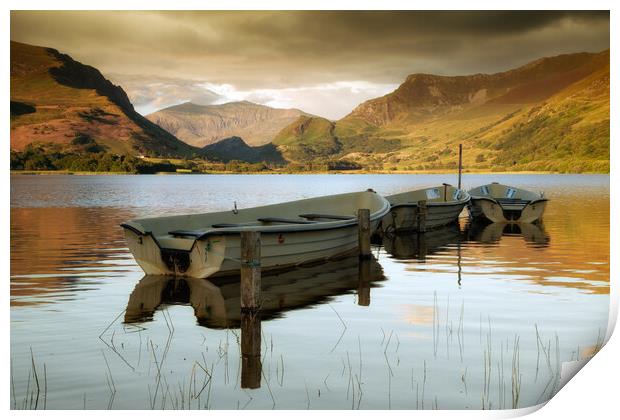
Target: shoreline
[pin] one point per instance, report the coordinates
(89, 173)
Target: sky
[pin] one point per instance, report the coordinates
(325, 63)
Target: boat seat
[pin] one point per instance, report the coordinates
(282, 220)
(199, 233)
(182, 232)
(512, 201)
(325, 216)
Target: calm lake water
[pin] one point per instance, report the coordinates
(465, 317)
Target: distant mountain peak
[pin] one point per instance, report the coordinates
(201, 125)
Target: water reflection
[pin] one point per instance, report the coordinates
(251, 367)
(417, 245)
(58, 252)
(216, 302)
(71, 275)
(534, 234)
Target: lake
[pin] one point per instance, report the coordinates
(469, 316)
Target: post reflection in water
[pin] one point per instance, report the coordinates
(251, 368)
(420, 245)
(217, 304)
(417, 245)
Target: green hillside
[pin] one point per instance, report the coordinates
(551, 114)
(61, 104)
(307, 138)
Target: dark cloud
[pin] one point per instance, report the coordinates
(280, 50)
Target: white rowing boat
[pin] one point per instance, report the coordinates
(424, 209)
(292, 233)
(502, 203)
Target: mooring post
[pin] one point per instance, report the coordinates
(363, 285)
(460, 163)
(422, 248)
(251, 367)
(363, 232)
(250, 270)
(422, 211)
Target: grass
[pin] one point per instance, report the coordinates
(195, 390)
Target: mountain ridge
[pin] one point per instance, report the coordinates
(201, 125)
(69, 100)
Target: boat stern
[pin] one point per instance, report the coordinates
(170, 256)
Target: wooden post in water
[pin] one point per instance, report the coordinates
(363, 285)
(422, 212)
(250, 270)
(363, 232)
(422, 247)
(251, 367)
(460, 163)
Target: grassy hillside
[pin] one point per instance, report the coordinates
(235, 148)
(62, 104)
(551, 114)
(307, 138)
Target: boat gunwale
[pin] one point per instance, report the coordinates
(277, 229)
(494, 200)
(464, 200)
(435, 203)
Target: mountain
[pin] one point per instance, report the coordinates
(201, 125)
(234, 148)
(63, 104)
(307, 138)
(550, 114)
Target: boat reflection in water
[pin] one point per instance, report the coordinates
(534, 234)
(218, 305)
(417, 245)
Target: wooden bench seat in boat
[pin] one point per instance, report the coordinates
(512, 201)
(282, 220)
(199, 233)
(325, 216)
(182, 232)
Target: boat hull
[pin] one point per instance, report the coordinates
(220, 255)
(501, 213)
(292, 233)
(442, 205)
(405, 218)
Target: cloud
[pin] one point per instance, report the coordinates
(151, 93)
(272, 53)
(329, 100)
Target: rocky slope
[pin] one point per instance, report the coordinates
(201, 125)
(60, 103)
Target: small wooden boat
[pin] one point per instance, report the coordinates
(424, 209)
(292, 233)
(217, 302)
(502, 203)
